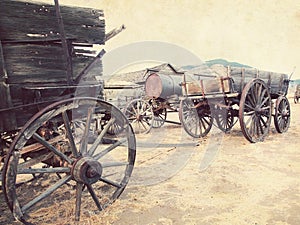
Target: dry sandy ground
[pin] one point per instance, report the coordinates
(222, 179)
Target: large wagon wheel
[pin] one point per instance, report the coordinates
(140, 115)
(282, 115)
(81, 168)
(196, 120)
(255, 110)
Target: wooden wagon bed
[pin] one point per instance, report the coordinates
(219, 79)
(37, 64)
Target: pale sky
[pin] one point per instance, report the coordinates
(261, 33)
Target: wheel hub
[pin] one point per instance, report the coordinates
(285, 113)
(87, 170)
(258, 110)
(139, 117)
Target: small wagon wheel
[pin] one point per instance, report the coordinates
(296, 99)
(225, 120)
(159, 112)
(255, 110)
(140, 115)
(282, 115)
(196, 120)
(77, 161)
(225, 117)
(160, 116)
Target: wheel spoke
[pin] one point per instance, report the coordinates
(79, 188)
(52, 148)
(113, 164)
(142, 123)
(263, 98)
(261, 127)
(100, 137)
(251, 99)
(85, 136)
(250, 118)
(249, 107)
(44, 170)
(266, 99)
(109, 149)
(69, 134)
(34, 161)
(115, 184)
(259, 93)
(46, 193)
(94, 196)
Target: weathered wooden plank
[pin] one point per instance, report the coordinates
(3, 74)
(23, 20)
(7, 119)
(274, 80)
(40, 63)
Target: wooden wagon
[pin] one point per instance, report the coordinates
(203, 97)
(247, 93)
(162, 96)
(58, 138)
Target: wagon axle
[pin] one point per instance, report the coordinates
(87, 170)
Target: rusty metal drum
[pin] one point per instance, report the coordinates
(163, 86)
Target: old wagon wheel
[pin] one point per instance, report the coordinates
(140, 115)
(255, 110)
(224, 119)
(296, 99)
(82, 169)
(196, 120)
(282, 115)
(160, 117)
(159, 112)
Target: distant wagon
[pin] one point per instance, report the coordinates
(251, 95)
(58, 138)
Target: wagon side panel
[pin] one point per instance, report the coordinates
(277, 82)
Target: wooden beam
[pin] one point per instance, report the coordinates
(65, 45)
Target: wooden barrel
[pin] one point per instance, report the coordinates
(163, 86)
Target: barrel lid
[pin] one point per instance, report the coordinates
(153, 86)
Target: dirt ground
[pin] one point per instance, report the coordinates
(221, 179)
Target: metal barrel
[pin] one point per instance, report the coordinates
(163, 86)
